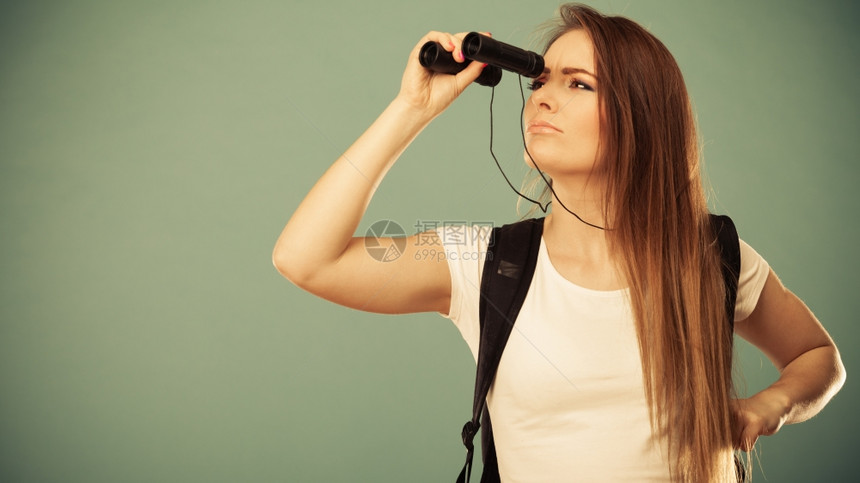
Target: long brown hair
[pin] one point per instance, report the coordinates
(660, 233)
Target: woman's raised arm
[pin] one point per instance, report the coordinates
(317, 250)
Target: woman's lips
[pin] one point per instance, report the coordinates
(540, 127)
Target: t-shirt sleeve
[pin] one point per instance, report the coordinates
(754, 272)
(465, 248)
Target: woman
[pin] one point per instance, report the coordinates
(620, 367)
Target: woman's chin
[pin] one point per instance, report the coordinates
(554, 162)
(536, 157)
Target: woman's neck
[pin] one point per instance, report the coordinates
(584, 196)
(579, 250)
(581, 253)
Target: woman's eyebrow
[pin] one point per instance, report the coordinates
(571, 70)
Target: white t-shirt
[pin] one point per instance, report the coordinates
(568, 402)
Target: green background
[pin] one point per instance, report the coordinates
(151, 152)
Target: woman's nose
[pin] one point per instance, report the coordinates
(542, 99)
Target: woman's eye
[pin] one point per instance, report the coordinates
(535, 85)
(574, 84)
(580, 85)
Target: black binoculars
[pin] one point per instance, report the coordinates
(497, 55)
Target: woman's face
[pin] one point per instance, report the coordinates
(562, 117)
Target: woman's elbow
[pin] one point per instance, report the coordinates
(839, 373)
(291, 266)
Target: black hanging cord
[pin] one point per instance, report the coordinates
(543, 208)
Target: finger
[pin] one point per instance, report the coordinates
(737, 436)
(457, 42)
(738, 422)
(448, 42)
(459, 56)
(455, 46)
(470, 73)
(749, 437)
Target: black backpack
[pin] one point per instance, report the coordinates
(508, 269)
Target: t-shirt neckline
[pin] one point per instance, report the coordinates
(545, 261)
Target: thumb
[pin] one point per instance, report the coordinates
(749, 436)
(470, 73)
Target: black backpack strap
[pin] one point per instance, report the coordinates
(508, 269)
(488, 451)
(730, 254)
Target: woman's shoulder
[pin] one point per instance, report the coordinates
(751, 280)
(458, 236)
